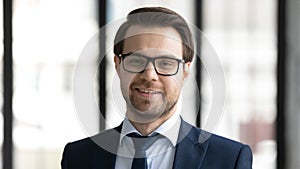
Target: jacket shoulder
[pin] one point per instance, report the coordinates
(216, 141)
(80, 153)
(105, 137)
(228, 153)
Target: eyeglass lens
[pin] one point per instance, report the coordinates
(163, 65)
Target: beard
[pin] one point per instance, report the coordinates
(143, 111)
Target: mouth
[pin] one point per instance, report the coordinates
(147, 92)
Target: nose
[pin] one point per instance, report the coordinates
(149, 73)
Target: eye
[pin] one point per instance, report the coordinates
(135, 61)
(166, 63)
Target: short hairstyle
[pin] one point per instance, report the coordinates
(157, 16)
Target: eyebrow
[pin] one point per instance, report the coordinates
(161, 55)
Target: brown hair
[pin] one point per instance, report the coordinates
(157, 16)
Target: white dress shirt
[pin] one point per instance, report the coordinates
(160, 154)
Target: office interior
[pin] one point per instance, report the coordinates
(256, 43)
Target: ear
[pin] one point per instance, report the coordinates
(117, 61)
(186, 70)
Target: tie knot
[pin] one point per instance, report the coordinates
(142, 143)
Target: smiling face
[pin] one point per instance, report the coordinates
(148, 95)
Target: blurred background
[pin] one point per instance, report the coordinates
(257, 43)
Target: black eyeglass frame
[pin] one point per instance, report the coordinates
(152, 60)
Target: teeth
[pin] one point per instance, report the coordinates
(148, 91)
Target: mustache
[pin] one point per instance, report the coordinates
(146, 84)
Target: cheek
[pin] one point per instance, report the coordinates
(125, 80)
(173, 86)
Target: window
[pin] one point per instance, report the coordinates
(1, 78)
(244, 36)
(48, 38)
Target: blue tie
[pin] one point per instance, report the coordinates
(141, 144)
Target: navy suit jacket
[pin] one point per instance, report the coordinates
(196, 149)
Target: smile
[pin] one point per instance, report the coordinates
(147, 92)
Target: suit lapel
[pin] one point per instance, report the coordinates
(106, 147)
(190, 149)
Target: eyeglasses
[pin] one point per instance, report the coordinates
(163, 65)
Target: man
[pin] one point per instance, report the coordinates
(153, 52)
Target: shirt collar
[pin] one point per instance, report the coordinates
(169, 128)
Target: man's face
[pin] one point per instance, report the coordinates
(148, 95)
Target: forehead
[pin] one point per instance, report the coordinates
(159, 39)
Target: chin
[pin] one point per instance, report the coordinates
(144, 116)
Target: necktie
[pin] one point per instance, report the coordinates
(141, 144)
